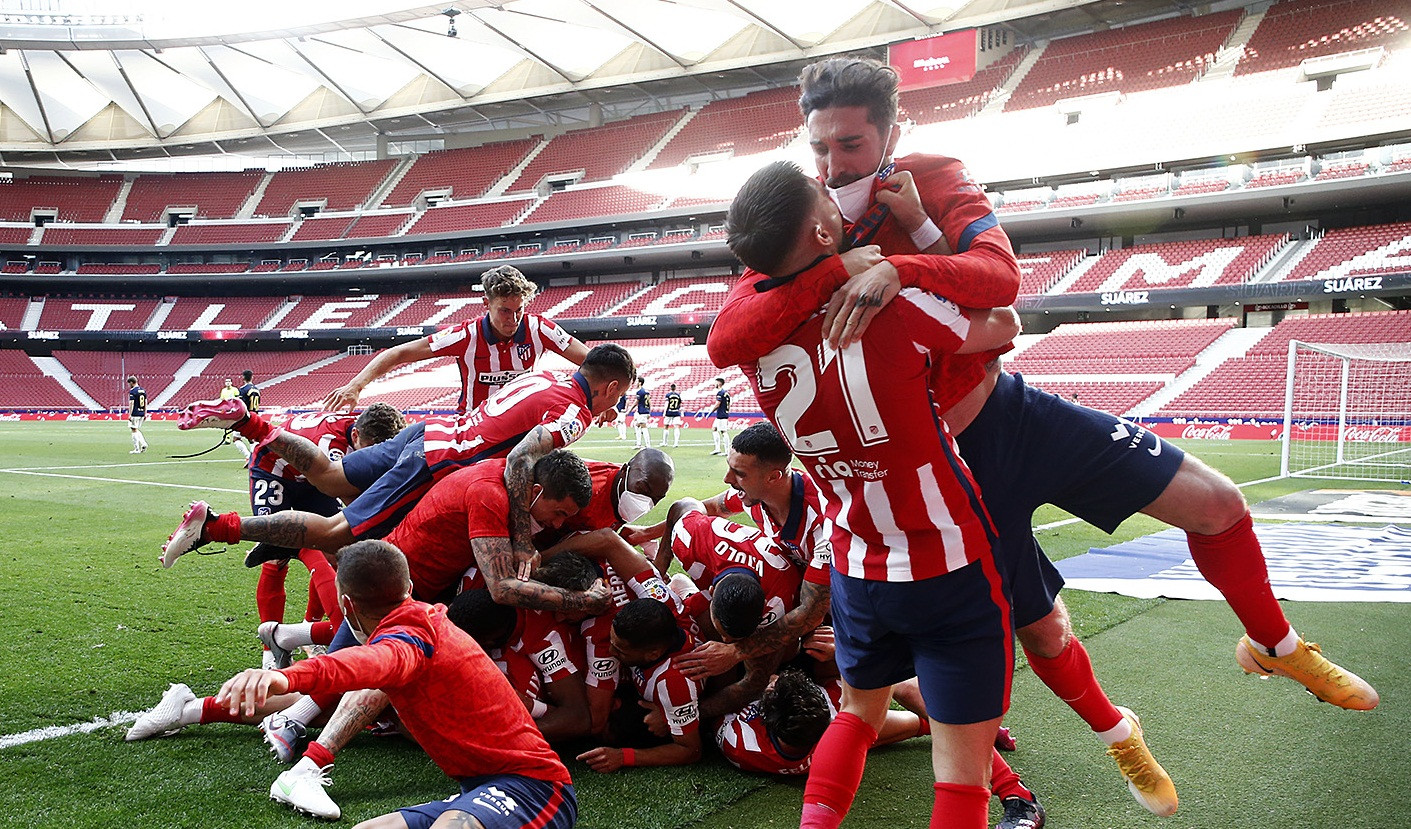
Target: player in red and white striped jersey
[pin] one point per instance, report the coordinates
(490, 350)
(915, 589)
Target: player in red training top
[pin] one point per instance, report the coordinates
(915, 590)
(448, 694)
(490, 350)
(522, 422)
(276, 486)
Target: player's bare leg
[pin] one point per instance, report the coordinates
(290, 528)
(1220, 532)
(961, 757)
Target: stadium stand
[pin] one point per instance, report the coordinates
(1190, 264)
(687, 295)
(216, 267)
(57, 235)
(1341, 170)
(600, 152)
(462, 217)
(213, 195)
(1141, 347)
(103, 374)
(592, 202)
(464, 173)
(119, 269)
(1039, 271)
(1295, 30)
(1129, 59)
(78, 199)
(1354, 251)
(342, 186)
(106, 314)
(1253, 385)
(376, 225)
(267, 365)
(24, 386)
(309, 389)
(322, 227)
(1274, 178)
(229, 233)
(960, 100)
(15, 267)
(753, 123)
(15, 235)
(1362, 105)
(582, 301)
(12, 311)
(339, 311)
(220, 313)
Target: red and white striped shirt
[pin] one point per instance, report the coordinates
(903, 504)
(804, 534)
(708, 547)
(558, 400)
(488, 361)
(747, 744)
(332, 433)
(663, 685)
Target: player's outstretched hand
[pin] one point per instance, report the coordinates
(345, 397)
(602, 759)
(708, 659)
(248, 690)
(853, 306)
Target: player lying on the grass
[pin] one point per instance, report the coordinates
(645, 634)
(276, 485)
(448, 695)
(524, 421)
(915, 590)
(1066, 455)
(490, 350)
(776, 734)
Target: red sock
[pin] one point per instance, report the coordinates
(323, 587)
(1070, 676)
(1233, 562)
(1003, 781)
(925, 727)
(322, 632)
(225, 528)
(836, 770)
(256, 428)
(269, 592)
(322, 757)
(960, 807)
(210, 712)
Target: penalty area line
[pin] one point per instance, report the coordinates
(53, 732)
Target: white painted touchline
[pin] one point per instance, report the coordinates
(51, 732)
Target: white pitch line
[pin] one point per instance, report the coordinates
(122, 481)
(51, 732)
(117, 465)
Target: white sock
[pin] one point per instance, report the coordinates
(294, 636)
(1116, 733)
(303, 711)
(1285, 646)
(191, 712)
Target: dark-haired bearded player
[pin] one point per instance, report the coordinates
(1064, 454)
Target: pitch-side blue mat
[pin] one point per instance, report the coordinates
(1307, 562)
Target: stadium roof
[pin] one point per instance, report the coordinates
(124, 79)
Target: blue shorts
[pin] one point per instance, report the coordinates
(951, 632)
(503, 801)
(1027, 448)
(270, 494)
(392, 476)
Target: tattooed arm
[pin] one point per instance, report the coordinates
(519, 477)
(497, 561)
(356, 711)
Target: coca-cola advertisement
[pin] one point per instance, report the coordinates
(1352, 432)
(1233, 429)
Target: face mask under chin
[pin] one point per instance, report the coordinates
(853, 199)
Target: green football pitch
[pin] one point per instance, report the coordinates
(94, 629)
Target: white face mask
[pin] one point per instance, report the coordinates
(633, 505)
(853, 199)
(353, 625)
(534, 526)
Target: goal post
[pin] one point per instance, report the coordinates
(1347, 412)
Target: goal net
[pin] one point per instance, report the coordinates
(1347, 412)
